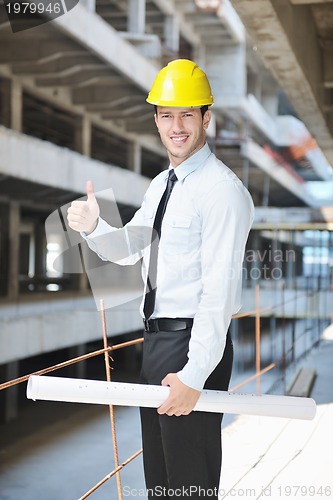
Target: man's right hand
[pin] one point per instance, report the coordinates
(83, 216)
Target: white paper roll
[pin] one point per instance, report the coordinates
(123, 394)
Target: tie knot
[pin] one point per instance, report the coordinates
(172, 176)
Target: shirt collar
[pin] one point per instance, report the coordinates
(192, 163)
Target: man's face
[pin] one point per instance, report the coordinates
(182, 131)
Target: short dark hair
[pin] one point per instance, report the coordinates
(203, 109)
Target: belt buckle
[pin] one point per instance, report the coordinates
(151, 325)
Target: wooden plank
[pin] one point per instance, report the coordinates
(302, 383)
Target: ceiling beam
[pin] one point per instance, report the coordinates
(57, 66)
(21, 51)
(82, 26)
(100, 94)
(75, 77)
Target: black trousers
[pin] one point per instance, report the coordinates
(182, 455)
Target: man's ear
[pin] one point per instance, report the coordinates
(156, 121)
(206, 118)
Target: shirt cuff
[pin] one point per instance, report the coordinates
(192, 376)
(99, 230)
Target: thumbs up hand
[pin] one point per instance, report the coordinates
(82, 216)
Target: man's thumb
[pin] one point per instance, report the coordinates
(90, 191)
(165, 381)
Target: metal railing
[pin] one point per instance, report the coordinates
(259, 371)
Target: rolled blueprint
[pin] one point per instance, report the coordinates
(124, 394)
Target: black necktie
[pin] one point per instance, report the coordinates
(149, 303)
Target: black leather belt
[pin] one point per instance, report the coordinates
(167, 324)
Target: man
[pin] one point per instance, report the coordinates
(202, 214)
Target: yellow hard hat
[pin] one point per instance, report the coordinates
(181, 84)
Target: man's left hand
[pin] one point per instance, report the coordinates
(182, 398)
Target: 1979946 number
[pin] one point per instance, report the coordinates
(33, 8)
(304, 491)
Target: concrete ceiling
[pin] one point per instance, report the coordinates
(295, 40)
(67, 64)
(106, 78)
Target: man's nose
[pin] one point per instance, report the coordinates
(177, 124)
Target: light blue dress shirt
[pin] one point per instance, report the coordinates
(201, 251)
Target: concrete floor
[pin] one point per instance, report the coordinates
(58, 451)
(64, 458)
(285, 458)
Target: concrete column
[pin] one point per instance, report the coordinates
(136, 20)
(134, 157)
(9, 403)
(83, 136)
(12, 104)
(4, 250)
(226, 84)
(40, 250)
(14, 250)
(171, 33)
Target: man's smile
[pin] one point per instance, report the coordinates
(179, 139)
